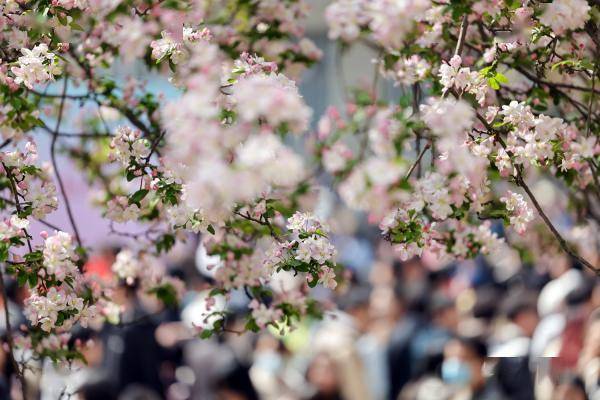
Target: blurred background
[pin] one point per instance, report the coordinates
(478, 329)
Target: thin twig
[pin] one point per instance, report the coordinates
(260, 222)
(462, 35)
(418, 161)
(17, 203)
(416, 99)
(563, 243)
(60, 96)
(591, 103)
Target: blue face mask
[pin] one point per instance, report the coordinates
(456, 372)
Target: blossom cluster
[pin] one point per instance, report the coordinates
(412, 234)
(389, 22)
(563, 15)
(408, 71)
(127, 144)
(167, 46)
(36, 66)
(32, 183)
(236, 162)
(447, 116)
(13, 227)
(312, 247)
(520, 213)
(67, 301)
(278, 103)
(149, 272)
(462, 79)
(365, 176)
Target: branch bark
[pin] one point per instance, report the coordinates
(418, 161)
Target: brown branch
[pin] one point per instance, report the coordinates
(462, 35)
(60, 96)
(416, 99)
(13, 189)
(563, 243)
(418, 161)
(261, 222)
(76, 134)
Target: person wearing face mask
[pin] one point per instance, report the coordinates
(462, 370)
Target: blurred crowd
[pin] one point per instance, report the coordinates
(401, 330)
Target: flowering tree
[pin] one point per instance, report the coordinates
(495, 97)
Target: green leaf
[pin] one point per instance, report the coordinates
(22, 278)
(165, 243)
(131, 175)
(166, 293)
(210, 229)
(251, 325)
(501, 78)
(33, 279)
(314, 281)
(207, 333)
(493, 83)
(138, 196)
(3, 251)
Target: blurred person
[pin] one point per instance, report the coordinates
(235, 384)
(554, 293)
(513, 365)
(463, 370)
(273, 372)
(551, 309)
(335, 339)
(213, 360)
(407, 313)
(138, 392)
(428, 387)
(370, 343)
(97, 390)
(570, 387)
(578, 307)
(323, 376)
(512, 335)
(427, 344)
(100, 263)
(589, 359)
(6, 371)
(140, 359)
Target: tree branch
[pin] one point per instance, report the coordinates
(563, 243)
(13, 189)
(462, 35)
(521, 183)
(418, 161)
